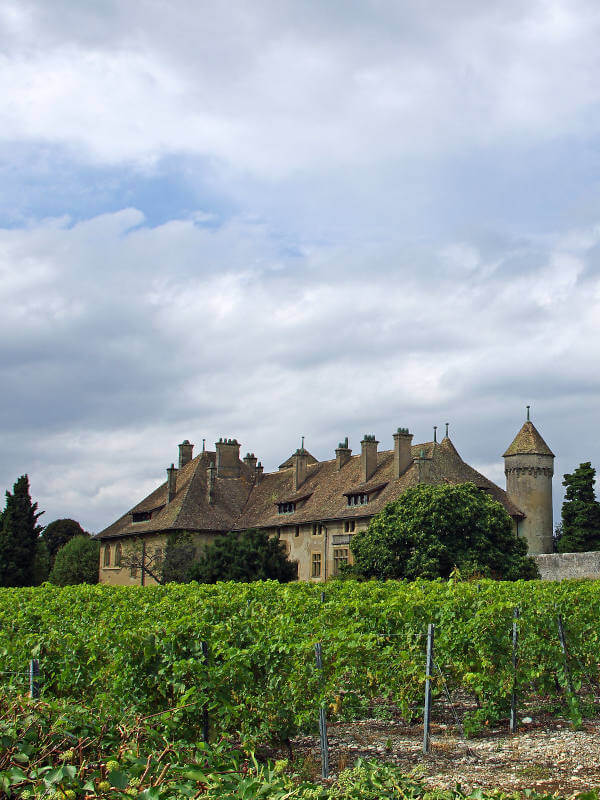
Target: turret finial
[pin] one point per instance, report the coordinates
(447, 425)
(203, 445)
(302, 446)
(435, 433)
(528, 407)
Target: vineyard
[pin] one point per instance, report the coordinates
(139, 651)
(143, 647)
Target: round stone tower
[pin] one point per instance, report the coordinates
(529, 467)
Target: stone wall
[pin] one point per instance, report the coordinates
(558, 566)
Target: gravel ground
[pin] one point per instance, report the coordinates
(545, 754)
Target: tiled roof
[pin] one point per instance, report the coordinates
(528, 442)
(239, 503)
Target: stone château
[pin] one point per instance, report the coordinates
(315, 507)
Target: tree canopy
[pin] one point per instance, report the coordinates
(57, 533)
(431, 530)
(76, 562)
(580, 526)
(19, 531)
(248, 556)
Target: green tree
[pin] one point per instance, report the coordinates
(18, 536)
(580, 512)
(431, 530)
(76, 562)
(249, 556)
(41, 562)
(179, 557)
(57, 533)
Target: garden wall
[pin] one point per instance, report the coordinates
(558, 566)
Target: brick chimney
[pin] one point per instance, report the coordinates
(185, 453)
(342, 454)
(300, 463)
(368, 456)
(228, 458)
(211, 473)
(171, 482)
(402, 451)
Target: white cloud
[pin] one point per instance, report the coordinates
(274, 91)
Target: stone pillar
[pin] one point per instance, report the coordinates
(185, 453)
(210, 483)
(228, 458)
(300, 464)
(402, 451)
(171, 482)
(368, 456)
(342, 454)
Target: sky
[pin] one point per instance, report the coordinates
(279, 219)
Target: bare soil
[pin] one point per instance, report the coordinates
(546, 754)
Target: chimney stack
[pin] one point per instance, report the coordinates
(185, 453)
(368, 456)
(300, 463)
(402, 451)
(171, 482)
(342, 454)
(211, 472)
(250, 460)
(228, 458)
(259, 472)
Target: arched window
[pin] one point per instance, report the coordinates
(118, 554)
(107, 556)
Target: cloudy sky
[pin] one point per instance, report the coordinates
(291, 217)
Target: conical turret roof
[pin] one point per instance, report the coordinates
(528, 442)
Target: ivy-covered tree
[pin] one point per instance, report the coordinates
(76, 562)
(249, 556)
(57, 533)
(580, 526)
(431, 530)
(179, 557)
(19, 531)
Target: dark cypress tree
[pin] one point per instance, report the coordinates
(18, 536)
(580, 512)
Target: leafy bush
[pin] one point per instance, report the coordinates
(247, 556)
(76, 562)
(432, 530)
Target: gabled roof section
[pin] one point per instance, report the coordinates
(189, 509)
(528, 442)
(289, 462)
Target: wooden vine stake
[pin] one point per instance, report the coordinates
(34, 671)
(322, 720)
(513, 696)
(563, 644)
(428, 674)
(205, 723)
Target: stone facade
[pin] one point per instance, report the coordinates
(315, 507)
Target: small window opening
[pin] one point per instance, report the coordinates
(316, 565)
(340, 556)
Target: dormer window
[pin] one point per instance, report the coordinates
(358, 499)
(141, 516)
(286, 508)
